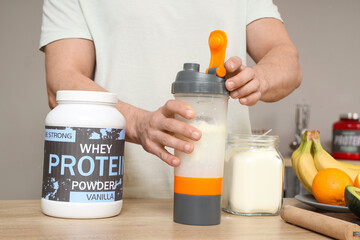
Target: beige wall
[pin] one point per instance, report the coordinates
(327, 34)
(325, 31)
(23, 102)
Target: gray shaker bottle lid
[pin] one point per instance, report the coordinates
(190, 80)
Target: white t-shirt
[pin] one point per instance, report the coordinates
(140, 47)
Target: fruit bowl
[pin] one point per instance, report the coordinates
(311, 201)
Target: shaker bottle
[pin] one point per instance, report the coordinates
(198, 179)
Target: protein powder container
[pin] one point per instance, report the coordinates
(83, 156)
(346, 137)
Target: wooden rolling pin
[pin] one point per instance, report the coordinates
(320, 223)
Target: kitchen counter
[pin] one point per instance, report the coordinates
(141, 219)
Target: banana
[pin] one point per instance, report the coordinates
(305, 165)
(296, 154)
(351, 166)
(323, 159)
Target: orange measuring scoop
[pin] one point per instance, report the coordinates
(217, 44)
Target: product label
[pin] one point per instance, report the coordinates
(83, 165)
(346, 141)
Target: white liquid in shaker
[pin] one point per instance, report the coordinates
(207, 159)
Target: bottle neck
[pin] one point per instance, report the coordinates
(86, 102)
(261, 141)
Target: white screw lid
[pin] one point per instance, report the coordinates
(86, 96)
(352, 116)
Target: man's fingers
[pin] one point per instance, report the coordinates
(172, 125)
(161, 153)
(180, 128)
(240, 79)
(233, 64)
(250, 87)
(244, 85)
(173, 107)
(174, 142)
(251, 99)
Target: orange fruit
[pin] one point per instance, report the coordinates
(329, 186)
(357, 181)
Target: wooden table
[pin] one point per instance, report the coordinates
(141, 219)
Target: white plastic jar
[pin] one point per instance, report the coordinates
(83, 156)
(253, 175)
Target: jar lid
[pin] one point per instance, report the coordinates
(190, 80)
(250, 139)
(351, 116)
(86, 96)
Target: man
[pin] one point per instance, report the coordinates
(135, 48)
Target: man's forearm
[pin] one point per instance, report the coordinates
(279, 73)
(68, 80)
(76, 81)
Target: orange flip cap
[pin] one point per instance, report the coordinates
(217, 44)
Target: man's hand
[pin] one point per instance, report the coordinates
(159, 129)
(70, 65)
(277, 71)
(242, 82)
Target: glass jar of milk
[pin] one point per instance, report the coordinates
(253, 175)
